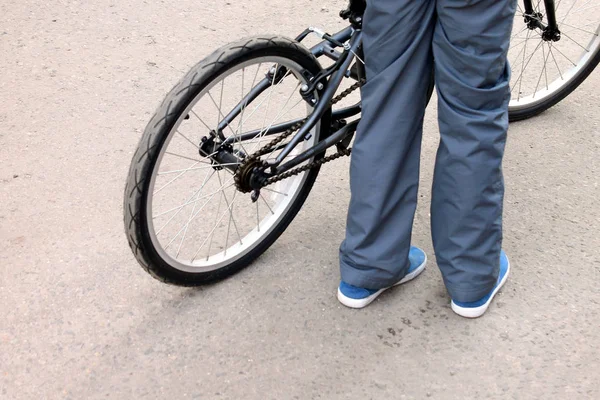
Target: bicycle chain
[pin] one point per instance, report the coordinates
(271, 145)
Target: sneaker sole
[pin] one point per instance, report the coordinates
(476, 312)
(361, 303)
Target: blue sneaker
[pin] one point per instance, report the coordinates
(355, 297)
(477, 308)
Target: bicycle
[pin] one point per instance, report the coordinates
(214, 181)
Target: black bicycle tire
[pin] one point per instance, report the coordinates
(525, 113)
(156, 132)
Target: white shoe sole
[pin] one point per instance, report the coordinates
(475, 312)
(360, 303)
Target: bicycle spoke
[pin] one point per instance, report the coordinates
(294, 106)
(240, 124)
(574, 41)
(242, 111)
(518, 44)
(582, 26)
(279, 115)
(191, 202)
(263, 199)
(523, 50)
(200, 119)
(555, 63)
(186, 138)
(271, 90)
(580, 29)
(186, 229)
(220, 112)
(229, 228)
(214, 227)
(257, 217)
(584, 9)
(518, 33)
(174, 179)
(561, 53)
(542, 72)
(525, 66)
(557, 6)
(194, 169)
(226, 185)
(231, 218)
(274, 191)
(262, 102)
(180, 156)
(183, 172)
(255, 109)
(193, 218)
(220, 103)
(522, 68)
(567, 14)
(181, 208)
(546, 68)
(216, 214)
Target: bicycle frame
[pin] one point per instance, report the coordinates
(350, 40)
(342, 65)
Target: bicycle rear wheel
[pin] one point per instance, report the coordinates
(544, 71)
(185, 220)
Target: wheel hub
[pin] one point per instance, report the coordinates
(221, 156)
(536, 21)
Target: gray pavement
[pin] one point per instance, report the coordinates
(81, 320)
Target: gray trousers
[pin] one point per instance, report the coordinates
(465, 43)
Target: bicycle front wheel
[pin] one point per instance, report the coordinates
(545, 71)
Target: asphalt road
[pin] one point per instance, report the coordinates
(81, 320)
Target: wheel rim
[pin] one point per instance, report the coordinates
(540, 68)
(206, 213)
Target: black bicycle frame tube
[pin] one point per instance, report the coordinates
(332, 86)
(319, 147)
(345, 112)
(279, 128)
(325, 48)
(320, 49)
(550, 14)
(250, 97)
